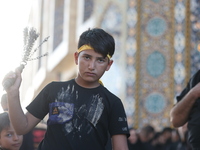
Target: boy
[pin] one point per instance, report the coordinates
(27, 143)
(82, 112)
(9, 140)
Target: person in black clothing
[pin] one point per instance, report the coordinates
(184, 137)
(82, 112)
(187, 109)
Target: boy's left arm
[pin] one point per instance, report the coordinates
(119, 142)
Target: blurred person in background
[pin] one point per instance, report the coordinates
(176, 141)
(9, 139)
(132, 140)
(167, 139)
(158, 141)
(27, 143)
(167, 135)
(143, 138)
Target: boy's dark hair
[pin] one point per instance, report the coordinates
(101, 41)
(4, 121)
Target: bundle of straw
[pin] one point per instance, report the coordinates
(30, 36)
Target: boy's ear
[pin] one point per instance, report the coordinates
(76, 58)
(109, 65)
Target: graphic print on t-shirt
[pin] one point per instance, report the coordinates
(60, 112)
(95, 110)
(75, 118)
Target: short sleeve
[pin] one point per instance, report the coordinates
(39, 107)
(118, 120)
(192, 82)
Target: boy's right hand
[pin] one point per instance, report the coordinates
(12, 80)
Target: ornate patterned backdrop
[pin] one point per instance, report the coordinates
(195, 36)
(154, 75)
(152, 60)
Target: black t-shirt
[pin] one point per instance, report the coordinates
(79, 118)
(194, 117)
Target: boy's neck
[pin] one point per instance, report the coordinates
(86, 84)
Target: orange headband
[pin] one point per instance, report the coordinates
(87, 47)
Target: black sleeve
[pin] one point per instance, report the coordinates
(39, 107)
(192, 82)
(118, 121)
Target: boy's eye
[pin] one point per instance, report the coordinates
(86, 57)
(9, 135)
(101, 60)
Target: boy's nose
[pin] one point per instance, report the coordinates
(16, 137)
(92, 65)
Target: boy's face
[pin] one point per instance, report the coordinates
(92, 66)
(10, 140)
